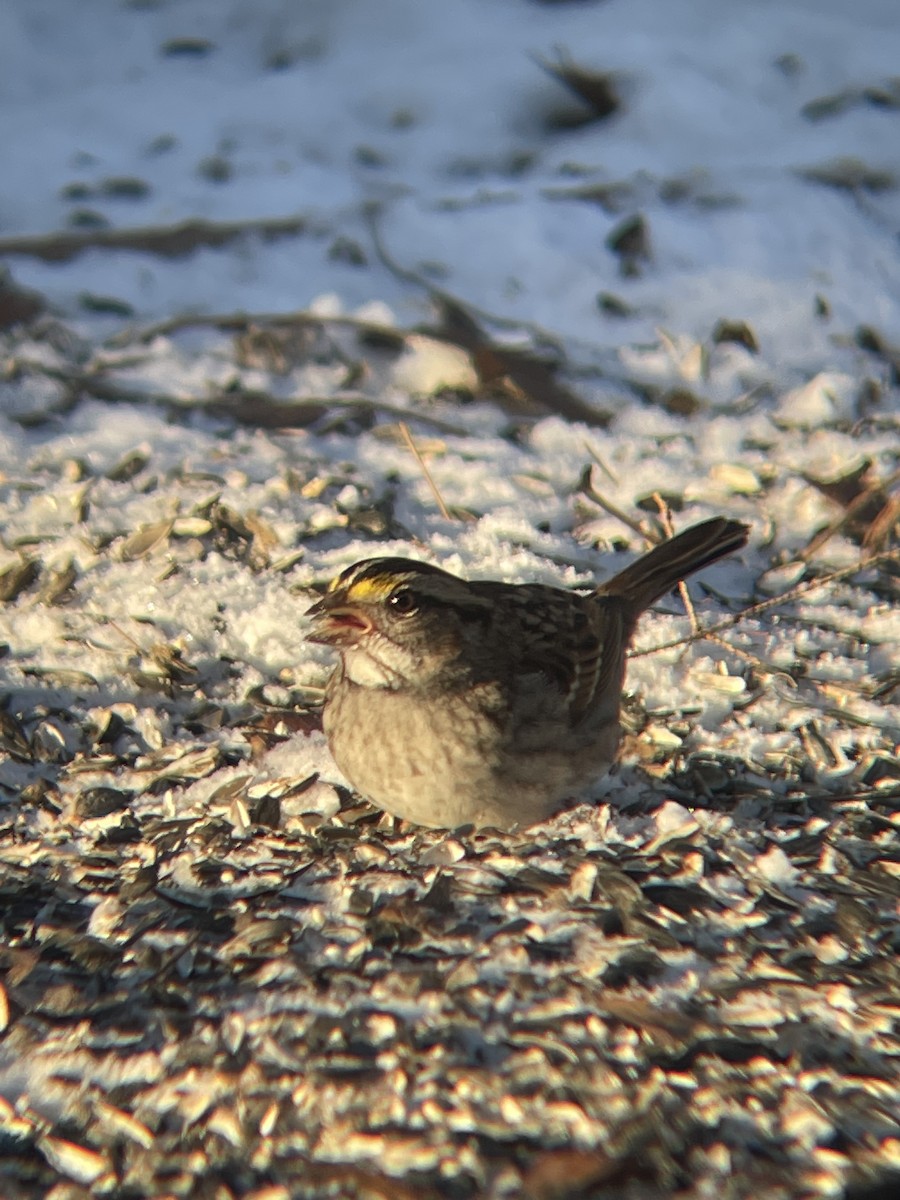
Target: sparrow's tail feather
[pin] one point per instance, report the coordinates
(654, 574)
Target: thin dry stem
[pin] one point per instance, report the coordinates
(586, 485)
(607, 470)
(414, 450)
(665, 517)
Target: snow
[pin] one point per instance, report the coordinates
(447, 98)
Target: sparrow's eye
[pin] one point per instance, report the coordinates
(403, 602)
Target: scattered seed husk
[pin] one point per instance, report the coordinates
(739, 332)
(63, 677)
(100, 802)
(145, 540)
(57, 585)
(129, 466)
(17, 578)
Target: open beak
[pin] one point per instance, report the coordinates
(335, 623)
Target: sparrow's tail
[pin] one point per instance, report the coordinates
(645, 581)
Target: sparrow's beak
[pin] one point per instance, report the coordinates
(335, 623)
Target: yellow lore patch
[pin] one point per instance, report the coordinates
(369, 590)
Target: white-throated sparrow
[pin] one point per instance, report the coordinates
(483, 702)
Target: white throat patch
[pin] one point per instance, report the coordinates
(365, 671)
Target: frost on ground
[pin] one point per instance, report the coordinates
(646, 272)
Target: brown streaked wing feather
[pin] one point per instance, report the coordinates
(530, 628)
(601, 657)
(576, 644)
(587, 655)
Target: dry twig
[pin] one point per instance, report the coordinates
(429, 479)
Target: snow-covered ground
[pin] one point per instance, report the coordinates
(443, 114)
(173, 492)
